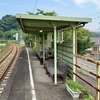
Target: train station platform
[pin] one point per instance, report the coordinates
(19, 88)
(44, 87)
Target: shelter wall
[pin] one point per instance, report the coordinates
(65, 53)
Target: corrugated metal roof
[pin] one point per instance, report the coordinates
(35, 23)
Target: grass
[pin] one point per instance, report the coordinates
(74, 86)
(77, 87)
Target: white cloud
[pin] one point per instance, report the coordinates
(97, 2)
(81, 2)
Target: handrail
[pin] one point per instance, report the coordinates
(96, 75)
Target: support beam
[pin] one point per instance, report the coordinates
(55, 56)
(22, 26)
(74, 58)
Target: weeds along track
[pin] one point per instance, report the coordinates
(7, 65)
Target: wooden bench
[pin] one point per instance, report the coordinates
(61, 69)
(40, 57)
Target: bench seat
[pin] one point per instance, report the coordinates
(61, 69)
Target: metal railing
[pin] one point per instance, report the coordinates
(95, 74)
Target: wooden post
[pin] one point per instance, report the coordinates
(97, 82)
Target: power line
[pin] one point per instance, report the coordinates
(35, 5)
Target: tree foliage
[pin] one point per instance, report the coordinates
(8, 27)
(41, 12)
(83, 39)
(8, 22)
(30, 13)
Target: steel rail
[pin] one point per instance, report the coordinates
(13, 53)
(2, 59)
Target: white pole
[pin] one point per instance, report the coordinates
(55, 57)
(58, 37)
(74, 59)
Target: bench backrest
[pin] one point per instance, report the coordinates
(62, 66)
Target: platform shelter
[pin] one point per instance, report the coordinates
(42, 25)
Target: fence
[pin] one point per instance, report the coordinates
(65, 52)
(95, 74)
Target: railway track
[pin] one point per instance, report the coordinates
(6, 66)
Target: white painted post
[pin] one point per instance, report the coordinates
(55, 56)
(74, 58)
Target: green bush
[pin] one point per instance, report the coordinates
(3, 41)
(77, 87)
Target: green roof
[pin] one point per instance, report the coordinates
(35, 23)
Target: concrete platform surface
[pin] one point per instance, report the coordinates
(19, 88)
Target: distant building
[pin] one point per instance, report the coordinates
(96, 49)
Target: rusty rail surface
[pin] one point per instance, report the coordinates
(96, 74)
(7, 64)
(2, 59)
(7, 61)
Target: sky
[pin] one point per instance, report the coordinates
(69, 8)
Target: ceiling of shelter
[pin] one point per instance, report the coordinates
(34, 23)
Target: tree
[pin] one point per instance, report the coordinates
(8, 26)
(8, 22)
(41, 12)
(30, 13)
(83, 39)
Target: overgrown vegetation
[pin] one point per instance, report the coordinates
(77, 87)
(3, 45)
(83, 39)
(4, 41)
